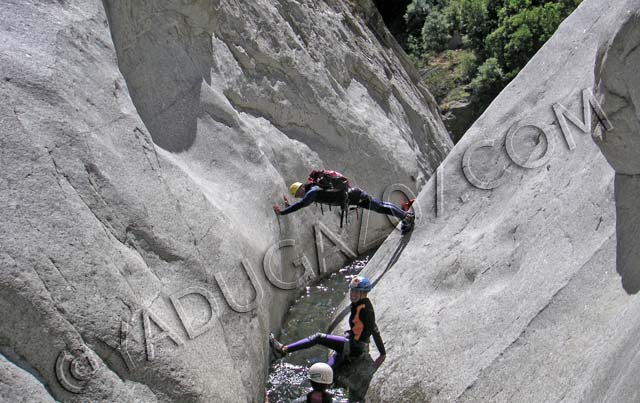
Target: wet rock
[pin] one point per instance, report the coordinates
(355, 376)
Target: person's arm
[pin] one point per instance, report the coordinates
(369, 320)
(378, 340)
(308, 198)
(380, 346)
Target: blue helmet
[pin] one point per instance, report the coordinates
(360, 283)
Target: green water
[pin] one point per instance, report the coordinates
(311, 313)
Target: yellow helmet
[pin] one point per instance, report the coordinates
(293, 189)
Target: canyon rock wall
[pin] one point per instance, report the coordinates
(142, 144)
(507, 289)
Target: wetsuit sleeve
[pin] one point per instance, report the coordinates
(378, 340)
(308, 198)
(369, 320)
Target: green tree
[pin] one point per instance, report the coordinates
(417, 11)
(475, 22)
(449, 39)
(453, 12)
(436, 32)
(488, 82)
(520, 35)
(415, 17)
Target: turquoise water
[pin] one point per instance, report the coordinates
(311, 313)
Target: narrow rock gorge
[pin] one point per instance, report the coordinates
(143, 144)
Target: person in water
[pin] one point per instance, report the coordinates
(321, 377)
(312, 192)
(362, 326)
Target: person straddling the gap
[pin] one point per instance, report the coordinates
(333, 189)
(362, 325)
(321, 377)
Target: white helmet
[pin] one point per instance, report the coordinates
(321, 373)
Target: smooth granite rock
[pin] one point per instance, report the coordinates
(18, 386)
(506, 290)
(137, 181)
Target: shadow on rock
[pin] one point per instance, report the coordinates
(630, 277)
(165, 54)
(627, 193)
(404, 241)
(355, 376)
(394, 258)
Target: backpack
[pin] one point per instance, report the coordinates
(335, 182)
(329, 180)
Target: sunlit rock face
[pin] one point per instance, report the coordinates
(142, 146)
(507, 289)
(300, 84)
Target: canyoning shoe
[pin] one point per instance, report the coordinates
(276, 347)
(407, 223)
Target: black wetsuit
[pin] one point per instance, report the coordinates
(353, 197)
(362, 325)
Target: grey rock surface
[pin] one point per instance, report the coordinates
(615, 78)
(136, 206)
(507, 290)
(301, 84)
(18, 386)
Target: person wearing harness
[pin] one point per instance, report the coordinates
(321, 376)
(362, 326)
(322, 191)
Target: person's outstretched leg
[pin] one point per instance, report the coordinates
(382, 207)
(360, 198)
(331, 341)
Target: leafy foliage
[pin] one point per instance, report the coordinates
(468, 50)
(436, 32)
(489, 81)
(447, 74)
(520, 35)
